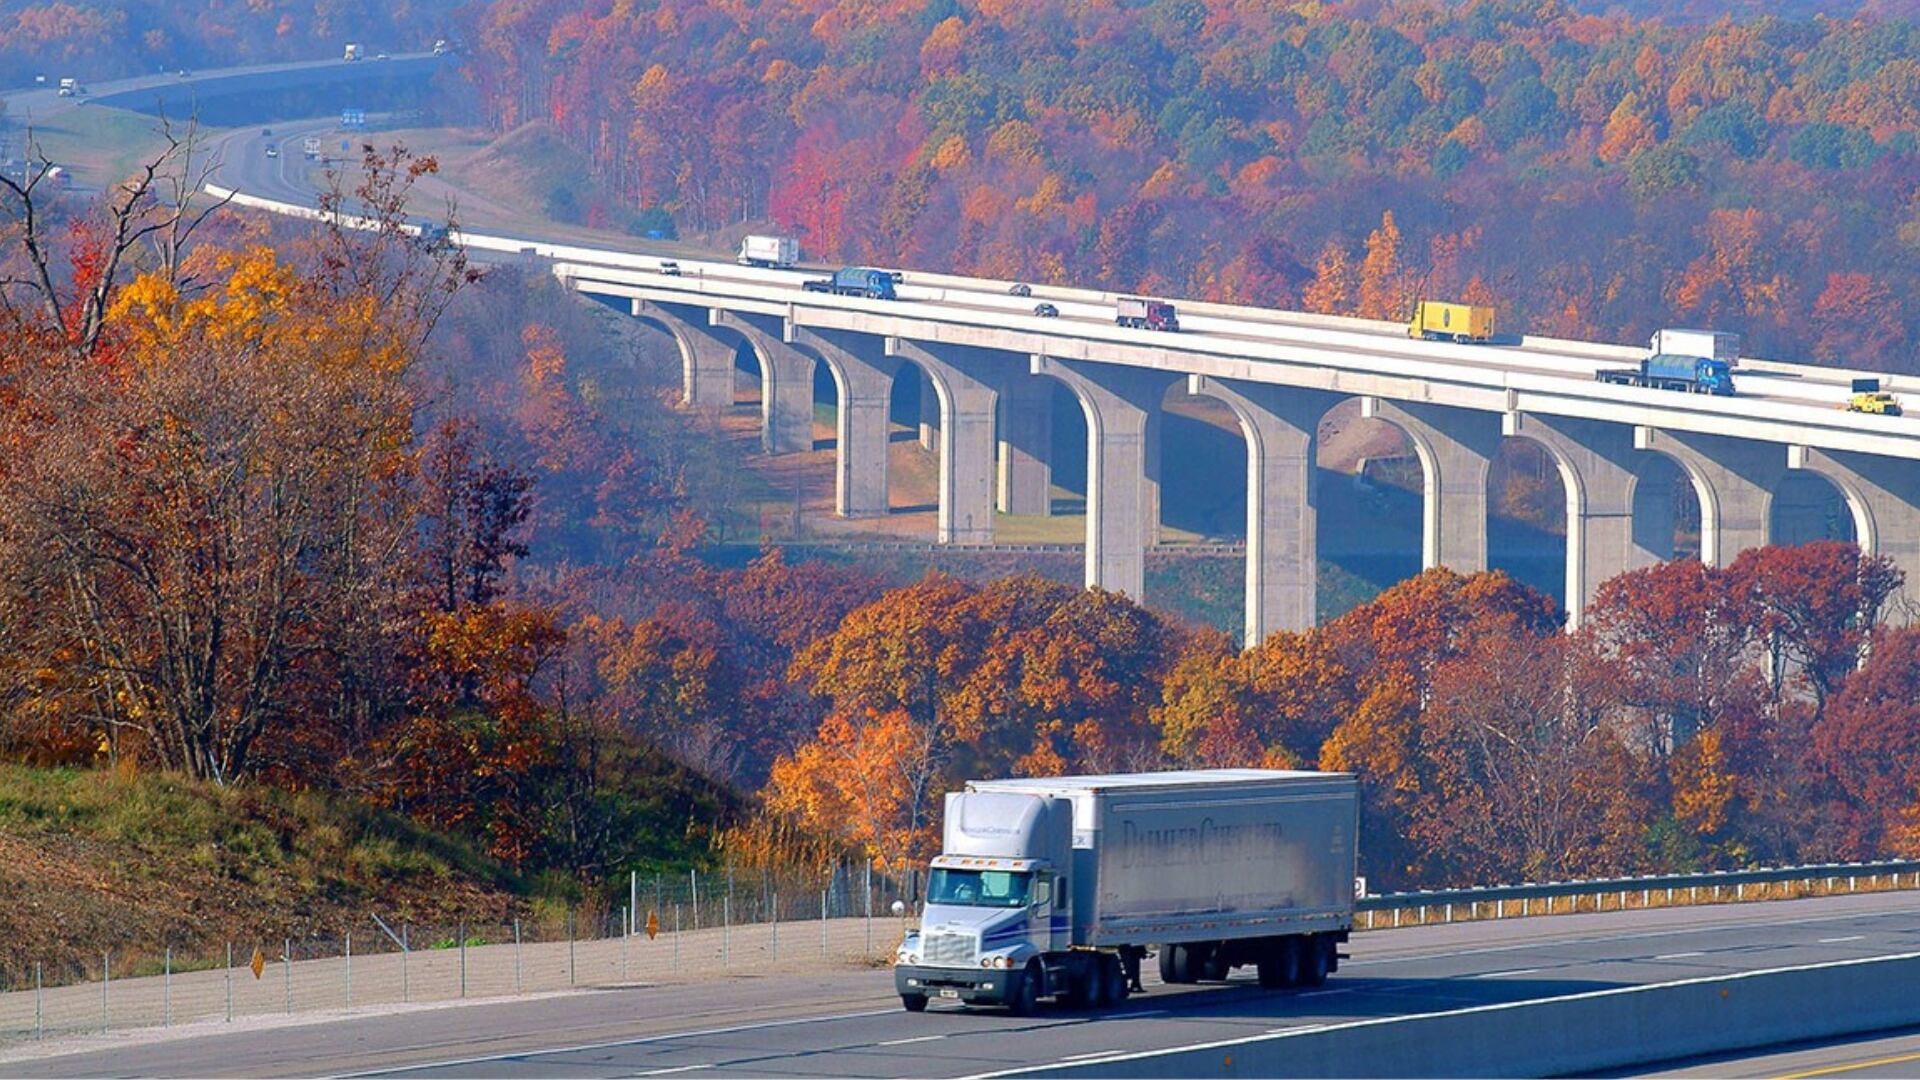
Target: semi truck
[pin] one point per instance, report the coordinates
(353, 52)
(1146, 314)
(1867, 397)
(69, 87)
(1438, 320)
(1694, 361)
(856, 281)
(1059, 887)
(776, 251)
(1692, 374)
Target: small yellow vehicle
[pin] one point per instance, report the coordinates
(1438, 320)
(1878, 402)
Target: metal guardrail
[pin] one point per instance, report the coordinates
(1502, 897)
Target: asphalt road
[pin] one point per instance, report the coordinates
(849, 1023)
(1893, 1055)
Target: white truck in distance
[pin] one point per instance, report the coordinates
(353, 52)
(1059, 886)
(1703, 344)
(775, 251)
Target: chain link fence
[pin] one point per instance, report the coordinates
(669, 929)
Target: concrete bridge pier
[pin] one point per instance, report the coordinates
(929, 414)
(1281, 425)
(786, 382)
(1883, 495)
(863, 377)
(959, 382)
(1025, 481)
(1599, 466)
(706, 358)
(1455, 447)
(1734, 480)
(1122, 405)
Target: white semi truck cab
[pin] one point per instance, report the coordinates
(1059, 887)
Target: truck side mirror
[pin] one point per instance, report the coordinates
(1042, 892)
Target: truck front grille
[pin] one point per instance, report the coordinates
(952, 950)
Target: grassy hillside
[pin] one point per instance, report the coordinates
(134, 862)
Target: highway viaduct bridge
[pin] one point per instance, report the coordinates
(991, 365)
(989, 362)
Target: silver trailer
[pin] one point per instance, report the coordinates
(1061, 886)
(776, 251)
(1701, 344)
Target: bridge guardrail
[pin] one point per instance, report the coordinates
(1510, 901)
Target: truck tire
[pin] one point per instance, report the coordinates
(1113, 979)
(1315, 960)
(1177, 965)
(1213, 966)
(1023, 997)
(1280, 964)
(914, 1002)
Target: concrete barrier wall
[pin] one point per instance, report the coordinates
(1606, 1029)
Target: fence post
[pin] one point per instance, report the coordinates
(626, 917)
(823, 924)
(726, 927)
(693, 877)
(570, 967)
(166, 992)
(406, 953)
(229, 982)
(869, 889)
(106, 981)
(39, 1005)
(633, 898)
(463, 956)
(286, 971)
(516, 954)
(774, 922)
(676, 939)
(349, 952)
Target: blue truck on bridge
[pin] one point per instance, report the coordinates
(856, 281)
(1693, 374)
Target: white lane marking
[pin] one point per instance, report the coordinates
(1598, 939)
(915, 1039)
(1326, 993)
(1838, 940)
(611, 1043)
(1501, 1009)
(1504, 974)
(1678, 955)
(675, 1069)
(1093, 1054)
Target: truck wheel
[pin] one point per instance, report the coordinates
(914, 1002)
(1023, 998)
(1183, 966)
(1113, 977)
(1081, 982)
(1214, 968)
(1167, 974)
(1313, 962)
(1280, 964)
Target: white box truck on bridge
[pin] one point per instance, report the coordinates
(1058, 887)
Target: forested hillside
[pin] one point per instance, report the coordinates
(1596, 172)
(100, 39)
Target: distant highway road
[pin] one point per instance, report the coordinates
(850, 1024)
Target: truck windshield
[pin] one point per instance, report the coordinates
(979, 888)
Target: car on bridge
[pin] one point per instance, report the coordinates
(1020, 289)
(1046, 311)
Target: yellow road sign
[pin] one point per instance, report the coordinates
(259, 963)
(653, 925)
